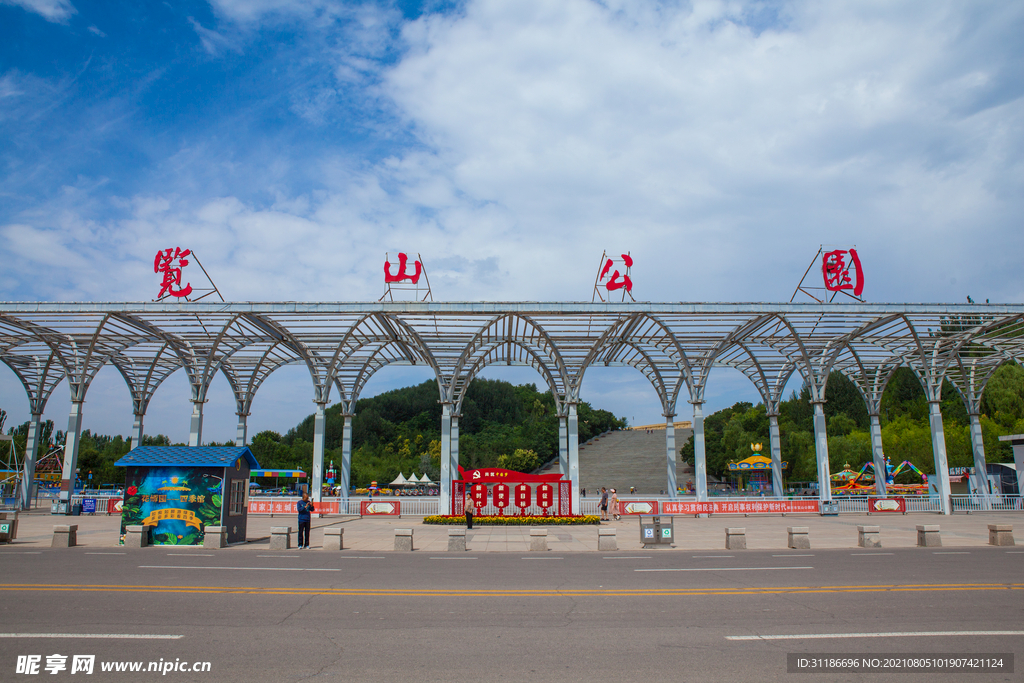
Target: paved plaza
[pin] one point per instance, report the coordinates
(376, 534)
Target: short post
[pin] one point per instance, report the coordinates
(215, 537)
(137, 535)
(869, 536)
(928, 536)
(736, 538)
(457, 540)
(799, 537)
(403, 540)
(606, 539)
(1000, 534)
(334, 538)
(65, 536)
(538, 539)
(280, 538)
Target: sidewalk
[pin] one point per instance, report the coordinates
(376, 534)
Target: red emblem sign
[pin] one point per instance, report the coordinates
(164, 263)
(500, 497)
(401, 274)
(837, 272)
(545, 495)
(479, 495)
(524, 496)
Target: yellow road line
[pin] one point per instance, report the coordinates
(525, 593)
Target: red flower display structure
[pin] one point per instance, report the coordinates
(491, 485)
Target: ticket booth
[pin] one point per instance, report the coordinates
(181, 490)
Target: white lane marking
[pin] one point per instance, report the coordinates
(628, 557)
(189, 554)
(106, 553)
(269, 569)
(275, 556)
(896, 634)
(454, 558)
(21, 552)
(868, 554)
(541, 558)
(1008, 552)
(112, 636)
(958, 552)
(719, 569)
(714, 556)
(359, 557)
(792, 555)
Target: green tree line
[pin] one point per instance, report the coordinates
(904, 418)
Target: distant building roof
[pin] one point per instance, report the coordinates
(195, 456)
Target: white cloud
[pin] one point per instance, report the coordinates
(57, 11)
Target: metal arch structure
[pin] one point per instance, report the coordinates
(674, 345)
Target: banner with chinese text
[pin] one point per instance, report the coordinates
(738, 507)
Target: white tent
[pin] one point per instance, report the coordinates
(425, 479)
(399, 481)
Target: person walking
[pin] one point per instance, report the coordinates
(470, 511)
(614, 503)
(304, 507)
(604, 504)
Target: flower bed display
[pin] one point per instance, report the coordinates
(494, 520)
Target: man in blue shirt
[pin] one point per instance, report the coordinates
(304, 506)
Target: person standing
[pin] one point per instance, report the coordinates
(304, 507)
(470, 511)
(614, 503)
(604, 504)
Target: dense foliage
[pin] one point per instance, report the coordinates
(903, 415)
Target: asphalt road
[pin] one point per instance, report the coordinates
(257, 615)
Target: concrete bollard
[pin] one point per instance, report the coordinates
(137, 535)
(736, 538)
(403, 540)
(65, 536)
(606, 539)
(928, 536)
(456, 540)
(1000, 534)
(799, 537)
(869, 536)
(334, 538)
(215, 537)
(538, 539)
(280, 538)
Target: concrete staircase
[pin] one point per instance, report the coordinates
(628, 458)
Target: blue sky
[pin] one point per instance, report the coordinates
(291, 144)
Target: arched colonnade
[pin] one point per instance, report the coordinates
(675, 346)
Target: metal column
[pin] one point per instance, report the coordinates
(878, 455)
(670, 455)
(31, 454)
(319, 445)
(455, 447)
(444, 504)
(137, 425)
(563, 444)
(71, 443)
(346, 458)
(775, 446)
(700, 463)
(574, 458)
(939, 452)
(242, 431)
(821, 454)
(980, 466)
(195, 432)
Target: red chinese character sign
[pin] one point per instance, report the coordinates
(169, 264)
(841, 273)
(501, 497)
(552, 493)
(408, 281)
(613, 278)
(524, 497)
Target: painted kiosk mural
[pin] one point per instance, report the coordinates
(180, 490)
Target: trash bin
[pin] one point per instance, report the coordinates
(76, 509)
(656, 531)
(55, 508)
(829, 508)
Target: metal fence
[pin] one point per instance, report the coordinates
(974, 503)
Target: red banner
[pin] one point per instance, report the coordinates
(545, 495)
(887, 505)
(638, 507)
(524, 496)
(494, 474)
(284, 507)
(500, 497)
(738, 507)
(380, 507)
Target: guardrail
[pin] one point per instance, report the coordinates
(969, 503)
